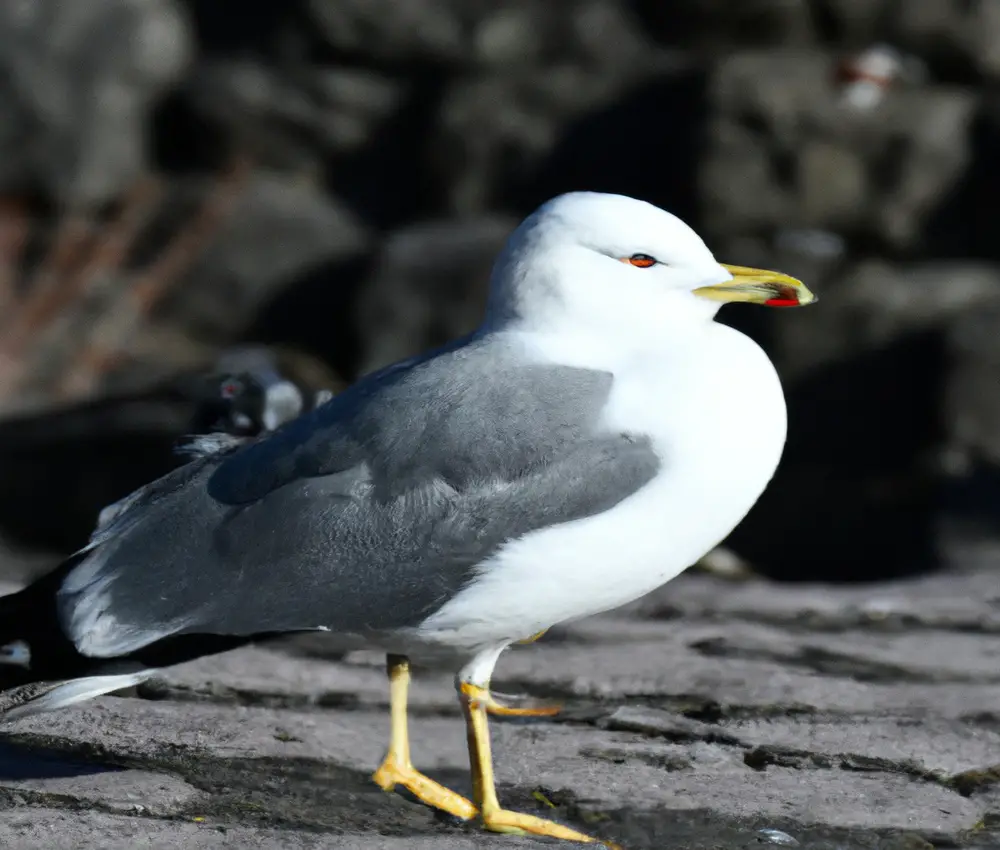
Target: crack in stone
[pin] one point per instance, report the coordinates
(837, 664)
(966, 783)
(16, 798)
(157, 690)
(970, 782)
(805, 622)
(673, 728)
(577, 709)
(621, 755)
(763, 756)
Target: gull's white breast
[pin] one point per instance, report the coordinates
(716, 414)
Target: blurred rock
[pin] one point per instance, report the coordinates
(714, 22)
(854, 497)
(872, 304)
(78, 84)
(383, 30)
(972, 397)
(959, 38)
(279, 232)
(954, 34)
(429, 287)
(493, 129)
(504, 35)
(496, 126)
(785, 151)
(293, 118)
(970, 459)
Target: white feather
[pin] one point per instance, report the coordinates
(69, 693)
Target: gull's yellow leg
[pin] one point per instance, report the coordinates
(475, 702)
(397, 769)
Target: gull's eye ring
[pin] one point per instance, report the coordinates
(642, 261)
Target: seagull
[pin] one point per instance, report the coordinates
(593, 438)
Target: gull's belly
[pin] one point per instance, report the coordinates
(719, 451)
(719, 427)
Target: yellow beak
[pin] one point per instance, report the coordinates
(757, 286)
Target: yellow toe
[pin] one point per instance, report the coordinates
(425, 789)
(516, 823)
(507, 706)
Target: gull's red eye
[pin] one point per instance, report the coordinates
(642, 261)
(231, 389)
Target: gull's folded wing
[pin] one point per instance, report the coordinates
(366, 515)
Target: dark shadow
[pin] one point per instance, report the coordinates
(388, 181)
(258, 28)
(647, 144)
(963, 225)
(687, 23)
(973, 499)
(20, 761)
(851, 500)
(182, 140)
(316, 314)
(61, 467)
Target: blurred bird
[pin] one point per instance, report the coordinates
(257, 389)
(592, 439)
(245, 396)
(62, 465)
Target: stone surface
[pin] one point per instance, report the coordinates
(279, 233)
(712, 713)
(54, 829)
(134, 792)
(294, 118)
(779, 119)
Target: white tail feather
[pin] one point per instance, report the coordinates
(51, 696)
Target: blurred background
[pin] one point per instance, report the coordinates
(211, 212)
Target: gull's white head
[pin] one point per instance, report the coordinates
(600, 260)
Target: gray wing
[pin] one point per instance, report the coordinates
(368, 514)
(114, 518)
(470, 412)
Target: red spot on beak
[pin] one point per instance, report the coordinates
(787, 298)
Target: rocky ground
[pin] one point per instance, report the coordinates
(711, 714)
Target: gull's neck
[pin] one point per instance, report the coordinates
(618, 339)
(618, 353)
